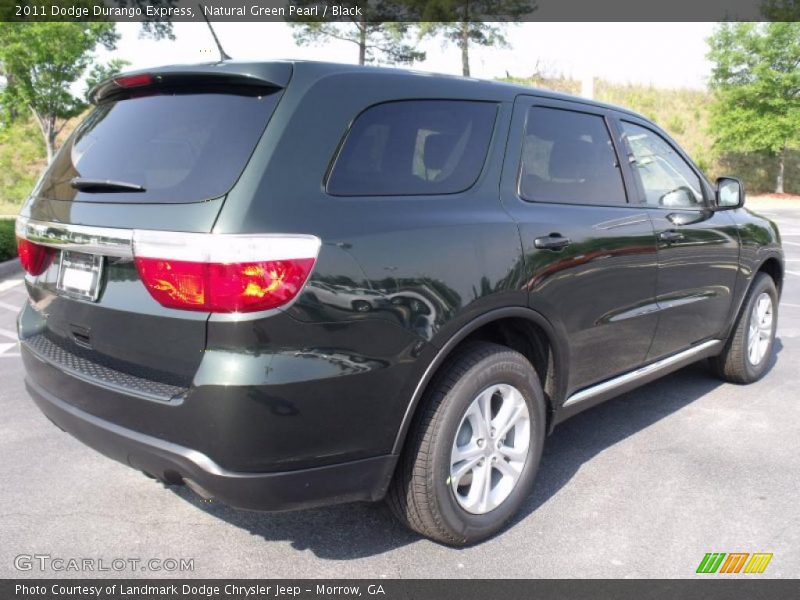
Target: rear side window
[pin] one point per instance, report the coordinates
(568, 157)
(184, 147)
(414, 147)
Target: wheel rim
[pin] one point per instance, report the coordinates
(490, 449)
(759, 335)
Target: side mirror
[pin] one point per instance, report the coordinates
(730, 193)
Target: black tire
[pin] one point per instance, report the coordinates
(734, 364)
(420, 494)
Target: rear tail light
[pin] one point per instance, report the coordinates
(131, 81)
(223, 273)
(34, 258)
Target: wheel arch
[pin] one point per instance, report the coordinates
(542, 346)
(773, 267)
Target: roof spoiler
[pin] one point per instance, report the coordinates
(273, 76)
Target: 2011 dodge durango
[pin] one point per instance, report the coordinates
(289, 284)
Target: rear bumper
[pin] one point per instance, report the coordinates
(365, 479)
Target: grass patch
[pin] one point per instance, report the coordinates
(22, 158)
(8, 243)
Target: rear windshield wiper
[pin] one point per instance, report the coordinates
(104, 185)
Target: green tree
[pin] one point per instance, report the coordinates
(42, 62)
(481, 22)
(756, 81)
(781, 10)
(379, 32)
(100, 72)
(156, 29)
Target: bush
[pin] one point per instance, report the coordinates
(8, 243)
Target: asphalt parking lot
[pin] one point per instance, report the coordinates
(642, 486)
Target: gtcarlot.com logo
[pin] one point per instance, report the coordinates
(734, 562)
(60, 564)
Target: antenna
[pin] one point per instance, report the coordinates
(222, 54)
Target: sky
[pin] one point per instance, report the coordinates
(658, 54)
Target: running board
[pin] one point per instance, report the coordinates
(648, 372)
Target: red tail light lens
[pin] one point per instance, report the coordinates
(34, 258)
(130, 81)
(223, 272)
(213, 287)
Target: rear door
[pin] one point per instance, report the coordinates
(698, 248)
(152, 157)
(590, 256)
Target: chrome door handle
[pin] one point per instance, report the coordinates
(670, 236)
(551, 242)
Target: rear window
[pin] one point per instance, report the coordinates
(414, 147)
(184, 147)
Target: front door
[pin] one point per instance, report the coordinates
(698, 249)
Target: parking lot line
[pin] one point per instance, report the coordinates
(794, 273)
(15, 308)
(8, 333)
(7, 285)
(792, 243)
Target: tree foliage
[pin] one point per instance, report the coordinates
(157, 29)
(100, 72)
(479, 22)
(42, 62)
(781, 10)
(756, 80)
(379, 33)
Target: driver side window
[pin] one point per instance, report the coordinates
(668, 181)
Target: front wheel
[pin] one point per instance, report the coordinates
(474, 449)
(748, 351)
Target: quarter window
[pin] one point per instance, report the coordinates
(414, 147)
(568, 157)
(667, 179)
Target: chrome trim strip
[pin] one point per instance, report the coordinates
(623, 222)
(82, 238)
(632, 376)
(203, 247)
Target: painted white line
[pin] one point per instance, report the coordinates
(4, 346)
(7, 285)
(794, 273)
(10, 355)
(8, 306)
(8, 333)
(790, 304)
(792, 243)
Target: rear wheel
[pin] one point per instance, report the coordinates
(474, 449)
(748, 351)
(361, 306)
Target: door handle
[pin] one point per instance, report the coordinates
(670, 236)
(686, 218)
(554, 241)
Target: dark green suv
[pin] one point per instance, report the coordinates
(288, 284)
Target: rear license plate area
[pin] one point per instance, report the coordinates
(79, 275)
